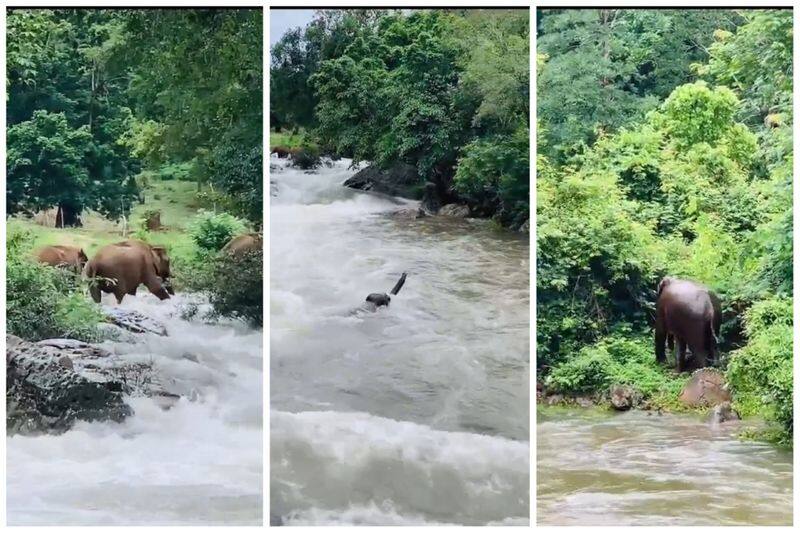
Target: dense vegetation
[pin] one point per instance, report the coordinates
(446, 91)
(106, 107)
(665, 148)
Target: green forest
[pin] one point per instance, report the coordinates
(116, 117)
(664, 148)
(446, 91)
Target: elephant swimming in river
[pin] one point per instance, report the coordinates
(689, 314)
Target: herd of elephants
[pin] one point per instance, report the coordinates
(120, 268)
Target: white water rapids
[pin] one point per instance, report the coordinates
(199, 462)
(417, 413)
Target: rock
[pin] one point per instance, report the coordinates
(51, 384)
(133, 321)
(454, 210)
(706, 388)
(624, 397)
(723, 413)
(583, 401)
(431, 203)
(407, 213)
(399, 180)
(525, 227)
(555, 399)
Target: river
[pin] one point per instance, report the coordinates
(199, 462)
(595, 467)
(417, 413)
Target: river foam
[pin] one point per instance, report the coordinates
(199, 462)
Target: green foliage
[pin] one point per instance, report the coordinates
(682, 177)
(614, 360)
(760, 373)
(211, 231)
(236, 287)
(45, 302)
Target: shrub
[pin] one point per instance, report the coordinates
(44, 302)
(235, 288)
(760, 373)
(211, 231)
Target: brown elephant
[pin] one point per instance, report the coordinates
(129, 264)
(71, 257)
(242, 244)
(689, 314)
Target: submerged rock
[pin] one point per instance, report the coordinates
(706, 388)
(51, 384)
(723, 413)
(454, 210)
(133, 321)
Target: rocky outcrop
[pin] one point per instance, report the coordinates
(51, 384)
(132, 321)
(454, 210)
(706, 388)
(399, 180)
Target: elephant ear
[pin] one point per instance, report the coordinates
(160, 259)
(663, 283)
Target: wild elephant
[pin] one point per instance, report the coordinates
(689, 314)
(242, 244)
(126, 265)
(71, 257)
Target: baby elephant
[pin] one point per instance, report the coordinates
(379, 299)
(126, 265)
(70, 257)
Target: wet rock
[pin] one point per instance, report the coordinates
(407, 213)
(582, 401)
(723, 413)
(399, 180)
(454, 210)
(555, 399)
(706, 388)
(623, 397)
(51, 384)
(133, 321)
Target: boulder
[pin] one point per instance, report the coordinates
(133, 321)
(51, 384)
(400, 179)
(624, 397)
(454, 210)
(723, 413)
(706, 388)
(555, 399)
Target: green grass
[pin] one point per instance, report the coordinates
(177, 201)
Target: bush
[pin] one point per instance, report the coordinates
(236, 288)
(306, 157)
(44, 302)
(760, 373)
(211, 231)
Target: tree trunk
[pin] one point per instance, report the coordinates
(67, 217)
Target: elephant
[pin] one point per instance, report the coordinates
(690, 314)
(71, 257)
(129, 264)
(284, 152)
(241, 244)
(380, 299)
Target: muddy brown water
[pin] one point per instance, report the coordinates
(596, 467)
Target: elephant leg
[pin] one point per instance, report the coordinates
(661, 337)
(681, 356)
(157, 287)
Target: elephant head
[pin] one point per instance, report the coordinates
(161, 262)
(663, 284)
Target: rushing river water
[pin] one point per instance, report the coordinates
(199, 462)
(417, 413)
(598, 468)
